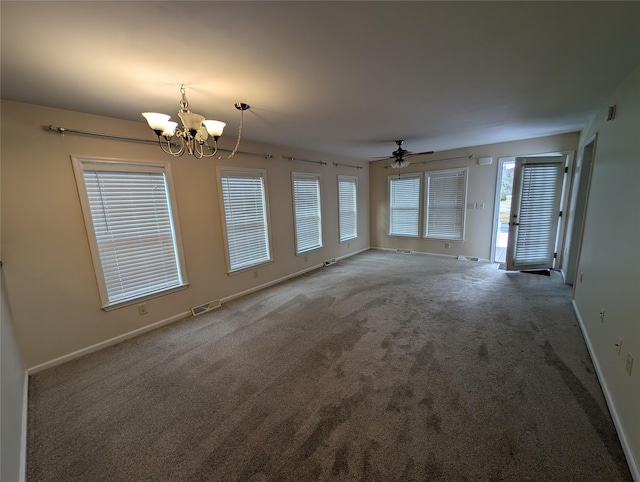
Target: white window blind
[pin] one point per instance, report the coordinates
(245, 218)
(347, 207)
(307, 211)
(404, 205)
(446, 201)
(128, 211)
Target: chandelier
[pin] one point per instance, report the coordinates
(193, 136)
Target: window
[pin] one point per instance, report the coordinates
(445, 204)
(307, 212)
(347, 207)
(404, 205)
(246, 224)
(131, 221)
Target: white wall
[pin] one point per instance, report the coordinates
(12, 393)
(610, 259)
(50, 279)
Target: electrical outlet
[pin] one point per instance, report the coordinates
(447, 245)
(581, 275)
(255, 274)
(629, 365)
(602, 316)
(306, 259)
(618, 345)
(142, 309)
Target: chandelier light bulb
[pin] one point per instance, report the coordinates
(156, 121)
(214, 127)
(169, 129)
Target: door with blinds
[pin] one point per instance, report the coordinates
(535, 212)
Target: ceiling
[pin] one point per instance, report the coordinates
(345, 78)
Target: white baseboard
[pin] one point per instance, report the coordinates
(345, 256)
(106, 343)
(633, 463)
(270, 283)
(23, 428)
(285, 278)
(424, 253)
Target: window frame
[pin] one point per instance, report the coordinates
(319, 241)
(245, 172)
(351, 235)
(459, 208)
(398, 178)
(84, 163)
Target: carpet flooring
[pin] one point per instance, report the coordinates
(382, 367)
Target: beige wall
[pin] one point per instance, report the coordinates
(481, 189)
(50, 279)
(609, 259)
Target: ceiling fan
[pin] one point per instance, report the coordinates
(400, 156)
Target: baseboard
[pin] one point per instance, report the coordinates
(106, 343)
(285, 278)
(424, 253)
(631, 461)
(345, 256)
(270, 283)
(23, 428)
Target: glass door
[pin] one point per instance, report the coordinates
(505, 187)
(535, 212)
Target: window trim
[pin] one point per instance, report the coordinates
(220, 171)
(463, 208)
(320, 241)
(354, 180)
(390, 179)
(80, 164)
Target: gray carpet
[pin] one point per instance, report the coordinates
(383, 367)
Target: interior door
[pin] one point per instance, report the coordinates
(535, 212)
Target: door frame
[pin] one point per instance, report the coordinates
(580, 187)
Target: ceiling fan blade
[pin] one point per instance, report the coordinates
(420, 153)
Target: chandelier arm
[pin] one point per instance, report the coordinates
(212, 150)
(235, 149)
(168, 150)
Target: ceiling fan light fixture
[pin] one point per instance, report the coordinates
(400, 164)
(399, 156)
(192, 136)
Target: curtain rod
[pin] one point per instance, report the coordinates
(288, 158)
(63, 130)
(346, 165)
(436, 160)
